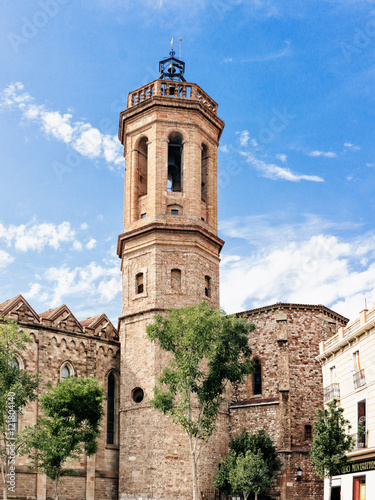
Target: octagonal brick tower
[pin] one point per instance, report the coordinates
(170, 258)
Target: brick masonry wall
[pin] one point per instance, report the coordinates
(154, 453)
(286, 341)
(90, 356)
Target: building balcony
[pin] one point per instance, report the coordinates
(360, 440)
(172, 89)
(359, 379)
(330, 392)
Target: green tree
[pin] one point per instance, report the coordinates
(331, 442)
(250, 474)
(259, 442)
(209, 349)
(17, 389)
(73, 410)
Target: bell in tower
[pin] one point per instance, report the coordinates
(170, 255)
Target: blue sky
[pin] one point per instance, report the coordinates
(295, 86)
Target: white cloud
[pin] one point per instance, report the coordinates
(325, 154)
(84, 225)
(5, 259)
(77, 245)
(270, 56)
(95, 282)
(272, 171)
(281, 157)
(321, 269)
(371, 165)
(91, 244)
(35, 292)
(224, 148)
(82, 137)
(228, 59)
(110, 288)
(34, 236)
(351, 147)
(244, 138)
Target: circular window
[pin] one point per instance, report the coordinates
(138, 395)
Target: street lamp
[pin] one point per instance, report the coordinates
(299, 474)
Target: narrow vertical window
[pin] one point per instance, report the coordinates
(204, 172)
(207, 286)
(139, 283)
(174, 183)
(257, 377)
(359, 488)
(176, 280)
(111, 409)
(142, 166)
(308, 432)
(359, 373)
(332, 375)
(361, 424)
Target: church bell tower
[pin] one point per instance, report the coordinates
(170, 258)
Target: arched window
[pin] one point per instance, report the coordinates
(111, 409)
(14, 363)
(142, 166)
(176, 280)
(175, 150)
(257, 377)
(139, 283)
(204, 173)
(66, 371)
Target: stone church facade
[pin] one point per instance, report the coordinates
(170, 254)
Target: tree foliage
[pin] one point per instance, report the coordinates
(73, 410)
(17, 389)
(209, 349)
(256, 443)
(331, 441)
(250, 474)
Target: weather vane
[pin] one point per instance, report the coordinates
(172, 67)
(172, 52)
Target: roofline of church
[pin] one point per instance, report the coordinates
(290, 306)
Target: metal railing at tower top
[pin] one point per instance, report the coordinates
(170, 88)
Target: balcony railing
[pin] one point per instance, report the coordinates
(168, 88)
(359, 379)
(360, 440)
(330, 392)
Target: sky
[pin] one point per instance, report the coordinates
(295, 84)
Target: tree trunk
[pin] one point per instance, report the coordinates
(256, 496)
(57, 486)
(195, 480)
(4, 477)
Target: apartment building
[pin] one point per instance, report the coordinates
(348, 363)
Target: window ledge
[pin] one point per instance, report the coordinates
(112, 446)
(139, 296)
